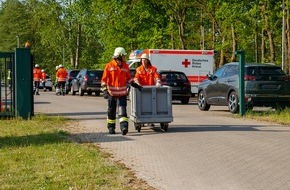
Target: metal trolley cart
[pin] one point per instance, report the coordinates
(151, 105)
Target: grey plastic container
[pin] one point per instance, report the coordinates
(151, 105)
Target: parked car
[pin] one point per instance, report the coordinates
(87, 81)
(48, 83)
(72, 73)
(181, 87)
(265, 85)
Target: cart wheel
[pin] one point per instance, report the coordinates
(164, 126)
(137, 127)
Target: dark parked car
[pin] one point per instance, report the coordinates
(265, 85)
(72, 73)
(89, 81)
(181, 87)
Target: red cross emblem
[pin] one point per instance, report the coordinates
(185, 63)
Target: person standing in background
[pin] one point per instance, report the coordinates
(61, 75)
(37, 74)
(43, 79)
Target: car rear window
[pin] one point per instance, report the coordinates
(264, 71)
(74, 73)
(95, 74)
(173, 77)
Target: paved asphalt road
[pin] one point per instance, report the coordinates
(201, 150)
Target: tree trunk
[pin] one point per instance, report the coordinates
(78, 44)
(213, 35)
(234, 45)
(262, 47)
(172, 35)
(271, 41)
(201, 32)
(70, 47)
(222, 54)
(256, 45)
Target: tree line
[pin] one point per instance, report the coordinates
(84, 33)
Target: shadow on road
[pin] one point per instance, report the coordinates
(105, 137)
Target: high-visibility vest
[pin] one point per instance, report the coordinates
(146, 77)
(37, 74)
(9, 75)
(116, 78)
(61, 74)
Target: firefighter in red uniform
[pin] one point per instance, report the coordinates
(61, 75)
(115, 78)
(43, 79)
(146, 74)
(36, 78)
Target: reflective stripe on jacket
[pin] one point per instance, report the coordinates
(116, 78)
(37, 74)
(146, 77)
(61, 74)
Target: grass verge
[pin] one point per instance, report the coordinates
(275, 116)
(35, 154)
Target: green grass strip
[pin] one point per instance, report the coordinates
(35, 154)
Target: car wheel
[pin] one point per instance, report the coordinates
(90, 93)
(81, 92)
(97, 93)
(72, 91)
(50, 89)
(185, 100)
(233, 102)
(202, 105)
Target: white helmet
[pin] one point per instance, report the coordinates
(36, 65)
(60, 66)
(56, 67)
(119, 51)
(145, 56)
(42, 70)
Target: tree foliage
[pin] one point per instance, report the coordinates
(84, 33)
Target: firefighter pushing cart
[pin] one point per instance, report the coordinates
(151, 105)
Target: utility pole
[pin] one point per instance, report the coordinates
(17, 37)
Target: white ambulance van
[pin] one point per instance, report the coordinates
(196, 64)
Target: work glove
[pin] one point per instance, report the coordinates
(135, 85)
(105, 92)
(158, 84)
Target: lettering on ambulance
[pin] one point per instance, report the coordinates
(196, 63)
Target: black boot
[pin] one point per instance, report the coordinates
(111, 128)
(124, 127)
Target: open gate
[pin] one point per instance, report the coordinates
(16, 84)
(7, 92)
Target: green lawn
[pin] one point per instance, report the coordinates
(35, 154)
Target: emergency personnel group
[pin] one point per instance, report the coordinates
(40, 76)
(114, 83)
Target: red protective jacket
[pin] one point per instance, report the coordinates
(37, 74)
(43, 77)
(116, 78)
(61, 74)
(145, 78)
